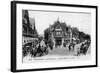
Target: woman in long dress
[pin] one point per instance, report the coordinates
(77, 49)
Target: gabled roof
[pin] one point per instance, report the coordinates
(58, 23)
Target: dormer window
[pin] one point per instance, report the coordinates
(58, 28)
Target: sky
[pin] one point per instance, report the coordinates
(43, 19)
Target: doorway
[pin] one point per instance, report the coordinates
(58, 41)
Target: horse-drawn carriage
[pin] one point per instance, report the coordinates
(84, 47)
(35, 49)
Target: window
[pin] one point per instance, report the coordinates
(58, 33)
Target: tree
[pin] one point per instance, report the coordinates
(75, 32)
(83, 36)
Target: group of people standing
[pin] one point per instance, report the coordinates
(80, 48)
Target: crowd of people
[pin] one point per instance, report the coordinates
(80, 48)
(39, 48)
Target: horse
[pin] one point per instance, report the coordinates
(40, 49)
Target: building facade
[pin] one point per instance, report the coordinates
(29, 32)
(60, 33)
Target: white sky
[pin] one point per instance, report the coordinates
(43, 19)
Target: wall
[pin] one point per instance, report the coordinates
(5, 36)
